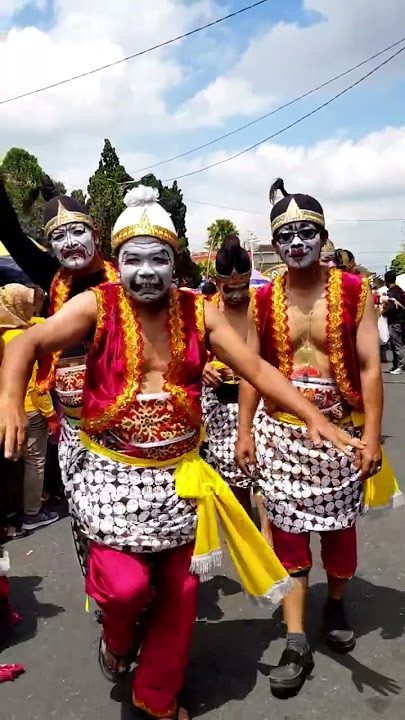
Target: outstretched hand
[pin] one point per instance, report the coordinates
(13, 424)
(319, 429)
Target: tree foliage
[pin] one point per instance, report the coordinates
(80, 197)
(398, 263)
(105, 201)
(217, 232)
(24, 174)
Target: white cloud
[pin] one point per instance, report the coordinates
(285, 60)
(352, 180)
(65, 127)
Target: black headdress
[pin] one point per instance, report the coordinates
(59, 209)
(232, 260)
(294, 207)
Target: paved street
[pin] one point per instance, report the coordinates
(234, 642)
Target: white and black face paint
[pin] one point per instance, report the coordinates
(146, 268)
(299, 244)
(73, 245)
(234, 293)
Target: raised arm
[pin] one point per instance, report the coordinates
(71, 325)
(268, 381)
(39, 266)
(368, 352)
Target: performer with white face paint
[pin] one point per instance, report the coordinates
(143, 496)
(318, 326)
(220, 393)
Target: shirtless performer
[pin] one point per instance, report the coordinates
(137, 484)
(220, 393)
(318, 327)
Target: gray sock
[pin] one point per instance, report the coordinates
(297, 641)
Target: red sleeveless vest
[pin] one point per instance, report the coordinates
(346, 296)
(114, 363)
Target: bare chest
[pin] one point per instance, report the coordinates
(307, 324)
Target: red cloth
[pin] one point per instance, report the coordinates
(343, 308)
(10, 672)
(118, 339)
(338, 550)
(120, 585)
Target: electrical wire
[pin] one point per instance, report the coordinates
(291, 125)
(135, 55)
(272, 112)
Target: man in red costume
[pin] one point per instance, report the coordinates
(144, 499)
(318, 327)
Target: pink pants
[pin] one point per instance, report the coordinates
(120, 585)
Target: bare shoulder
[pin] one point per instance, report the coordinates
(212, 316)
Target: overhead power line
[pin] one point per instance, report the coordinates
(272, 112)
(260, 212)
(291, 125)
(135, 55)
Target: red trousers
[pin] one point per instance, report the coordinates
(338, 549)
(120, 585)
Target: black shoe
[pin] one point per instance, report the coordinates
(290, 674)
(339, 636)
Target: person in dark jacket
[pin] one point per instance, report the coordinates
(394, 311)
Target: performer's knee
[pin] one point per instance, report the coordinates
(133, 592)
(339, 552)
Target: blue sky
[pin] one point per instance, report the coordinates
(172, 100)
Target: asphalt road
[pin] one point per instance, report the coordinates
(234, 642)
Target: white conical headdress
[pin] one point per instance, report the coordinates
(143, 216)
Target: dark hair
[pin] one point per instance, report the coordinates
(46, 188)
(278, 185)
(209, 288)
(390, 277)
(231, 255)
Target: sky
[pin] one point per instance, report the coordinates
(350, 155)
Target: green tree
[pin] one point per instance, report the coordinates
(24, 175)
(203, 265)
(217, 232)
(105, 201)
(80, 197)
(398, 263)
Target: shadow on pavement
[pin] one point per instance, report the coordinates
(226, 655)
(23, 597)
(210, 593)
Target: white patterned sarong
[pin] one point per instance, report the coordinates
(306, 487)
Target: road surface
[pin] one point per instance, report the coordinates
(234, 642)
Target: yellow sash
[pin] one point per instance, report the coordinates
(381, 491)
(259, 570)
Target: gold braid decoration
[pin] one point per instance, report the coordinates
(281, 332)
(362, 299)
(334, 336)
(253, 306)
(133, 348)
(199, 317)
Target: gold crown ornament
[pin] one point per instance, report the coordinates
(235, 277)
(64, 217)
(296, 214)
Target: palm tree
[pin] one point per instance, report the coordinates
(217, 232)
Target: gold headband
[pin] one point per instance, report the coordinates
(235, 276)
(143, 228)
(297, 214)
(64, 217)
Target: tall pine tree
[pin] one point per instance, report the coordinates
(105, 201)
